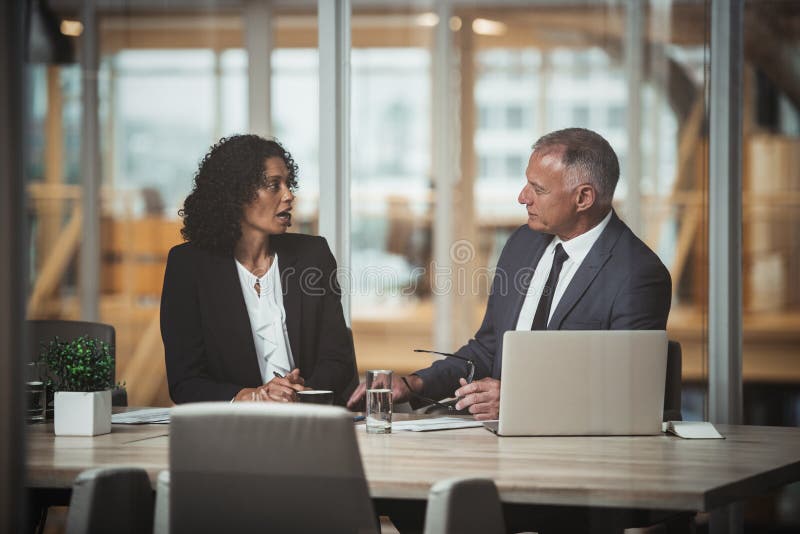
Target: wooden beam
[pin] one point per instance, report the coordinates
(56, 263)
(689, 140)
(693, 215)
(49, 210)
(144, 372)
(769, 49)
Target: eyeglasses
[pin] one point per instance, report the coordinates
(427, 400)
(470, 375)
(470, 363)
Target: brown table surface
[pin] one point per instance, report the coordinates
(648, 472)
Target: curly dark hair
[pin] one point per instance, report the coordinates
(228, 178)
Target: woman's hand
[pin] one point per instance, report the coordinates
(251, 395)
(279, 389)
(282, 389)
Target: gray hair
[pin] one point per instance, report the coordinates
(588, 158)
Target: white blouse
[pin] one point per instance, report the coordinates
(267, 320)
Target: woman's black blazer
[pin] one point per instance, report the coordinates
(208, 343)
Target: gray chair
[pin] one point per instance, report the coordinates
(43, 331)
(115, 499)
(678, 522)
(161, 515)
(266, 467)
(672, 389)
(464, 506)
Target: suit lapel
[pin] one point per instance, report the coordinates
(290, 285)
(233, 323)
(591, 265)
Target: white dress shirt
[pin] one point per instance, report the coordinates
(267, 320)
(577, 248)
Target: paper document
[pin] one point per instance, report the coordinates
(435, 423)
(145, 416)
(692, 429)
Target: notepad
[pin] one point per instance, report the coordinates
(692, 429)
(435, 423)
(145, 416)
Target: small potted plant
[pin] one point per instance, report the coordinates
(80, 374)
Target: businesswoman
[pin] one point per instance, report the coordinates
(248, 311)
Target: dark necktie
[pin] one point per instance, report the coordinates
(546, 300)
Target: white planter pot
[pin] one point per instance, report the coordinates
(82, 414)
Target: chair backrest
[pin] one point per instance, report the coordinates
(111, 499)
(464, 506)
(672, 389)
(43, 331)
(266, 467)
(161, 514)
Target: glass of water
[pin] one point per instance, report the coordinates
(379, 401)
(35, 392)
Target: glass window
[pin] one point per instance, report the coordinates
(771, 215)
(169, 87)
(515, 117)
(616, 117)
(391, 199)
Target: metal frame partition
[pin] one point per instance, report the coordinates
(13, 261)
(334, 134)
(725, 229)
(724, 160)
(90, 165)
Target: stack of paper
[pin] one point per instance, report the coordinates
(145, 416)
(435, 423)
(691, 429)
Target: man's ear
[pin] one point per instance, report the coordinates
(586, 196)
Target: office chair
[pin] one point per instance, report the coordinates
(113, 499)
(464, 506)
(680, 521)
(266, 467)
(161, 515)
(672, 389)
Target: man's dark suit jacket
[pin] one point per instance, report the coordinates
(208, 342)
(621, 285)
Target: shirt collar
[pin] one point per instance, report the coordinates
(578, 247)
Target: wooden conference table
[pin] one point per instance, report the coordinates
(645, 472)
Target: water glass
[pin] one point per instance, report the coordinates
(379, 401)
(36, 393)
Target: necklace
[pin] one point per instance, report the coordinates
(259, 273)
(257, 285)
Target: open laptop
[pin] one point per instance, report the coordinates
(582, 383)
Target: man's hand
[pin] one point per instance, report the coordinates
(400, 392)
(276, 390)
(482, 397)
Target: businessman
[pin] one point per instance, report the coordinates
(589, 271)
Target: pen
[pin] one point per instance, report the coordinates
(277, 374)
